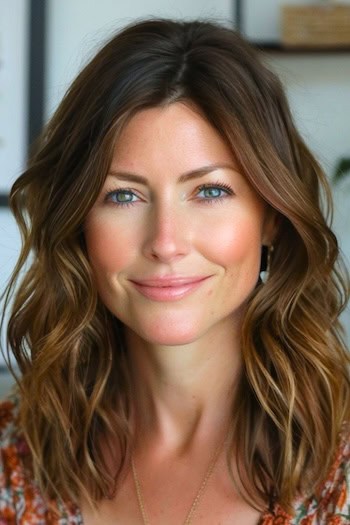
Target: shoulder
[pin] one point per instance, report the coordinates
(8, 421)
(14, 493)
(12, 444)
(335, 494)
(332, 505)
(20, 498)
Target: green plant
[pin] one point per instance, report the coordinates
(342, 169)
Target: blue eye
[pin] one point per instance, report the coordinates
(121, 197)
(214, 192)
(211, 193)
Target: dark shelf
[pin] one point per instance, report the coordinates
(276, 47)
(4, 200)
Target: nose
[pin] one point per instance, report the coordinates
(167, 234)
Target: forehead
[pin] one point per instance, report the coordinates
(177, 135)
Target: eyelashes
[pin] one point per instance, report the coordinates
(121, 193)
(224, 189)
(209, 193)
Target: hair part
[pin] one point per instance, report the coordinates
(74, 377)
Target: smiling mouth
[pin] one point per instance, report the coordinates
(168, 289)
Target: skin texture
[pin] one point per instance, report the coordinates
(173, 228)
(184, 353)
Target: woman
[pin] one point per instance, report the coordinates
(176, 331)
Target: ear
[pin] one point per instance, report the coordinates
(271, 226)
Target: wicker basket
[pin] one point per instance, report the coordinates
(316, 26)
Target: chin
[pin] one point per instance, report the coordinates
(170, 336)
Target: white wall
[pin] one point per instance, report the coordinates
(13, 120)
(77, 28)
(9, 250)
(13, 88)
(318, 89)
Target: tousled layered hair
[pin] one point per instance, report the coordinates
(293, 396)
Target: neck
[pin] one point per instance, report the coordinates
(183, 394)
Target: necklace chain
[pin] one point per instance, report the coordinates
(197, 498)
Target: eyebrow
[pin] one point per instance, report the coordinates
(189, 175)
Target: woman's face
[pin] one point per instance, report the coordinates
(175, 236)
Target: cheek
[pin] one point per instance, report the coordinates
(237, 243)
(109, 248)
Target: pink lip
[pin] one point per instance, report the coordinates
(168, 288)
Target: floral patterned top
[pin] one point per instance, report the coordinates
(22, 504)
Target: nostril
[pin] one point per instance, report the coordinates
(166, 242)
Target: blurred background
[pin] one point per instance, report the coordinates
(44, 44)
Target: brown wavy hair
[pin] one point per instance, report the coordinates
(293, 396)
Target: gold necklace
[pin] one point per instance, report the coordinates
(199, 494)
